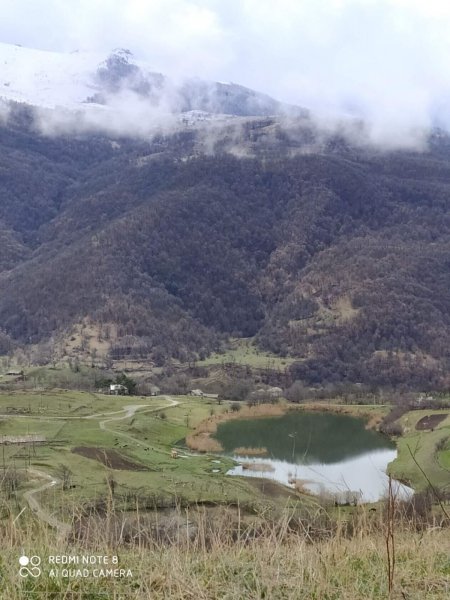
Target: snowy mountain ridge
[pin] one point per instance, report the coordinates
(86, 81)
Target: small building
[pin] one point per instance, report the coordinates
(197, 393)
(118, 389)
(18, 375)
(154, 390)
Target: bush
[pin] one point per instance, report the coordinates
(393, 429)
(239, 389)
(297, 392)
(126, 381)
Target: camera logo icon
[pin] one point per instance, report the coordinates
(29, 566)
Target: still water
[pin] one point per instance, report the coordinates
(324, 451)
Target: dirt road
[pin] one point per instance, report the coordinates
(30, 496)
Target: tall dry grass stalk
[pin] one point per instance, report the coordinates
(235, 553)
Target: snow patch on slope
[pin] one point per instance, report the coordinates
(81, 91)
(47, 79)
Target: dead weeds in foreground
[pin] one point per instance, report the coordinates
(299, 552)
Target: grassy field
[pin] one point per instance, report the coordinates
(145, 439)
(423, 445)
(71, 419)
(244, 352)
(266, 544)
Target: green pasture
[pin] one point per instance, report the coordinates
(146, 438)
(69, 419)
(422, 445)
(62, 403)
(244, 352)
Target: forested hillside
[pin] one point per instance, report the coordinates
(339, 256)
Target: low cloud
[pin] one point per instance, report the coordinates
(385, 61)
(125, 114)
(4, 111)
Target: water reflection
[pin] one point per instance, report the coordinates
(321, 452)
(311, 437)
(364, 474)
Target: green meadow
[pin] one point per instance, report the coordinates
(423, 451)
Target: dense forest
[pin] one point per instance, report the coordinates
(338, 256)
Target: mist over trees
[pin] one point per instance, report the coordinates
(339, 257)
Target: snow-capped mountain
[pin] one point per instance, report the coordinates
(81, 80)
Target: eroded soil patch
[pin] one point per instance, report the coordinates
(430, 421)
(110, 458)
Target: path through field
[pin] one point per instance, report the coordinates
(31, 495)
(40, 512)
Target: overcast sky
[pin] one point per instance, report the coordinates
(387, 59)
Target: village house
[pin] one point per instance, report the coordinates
(117, 389)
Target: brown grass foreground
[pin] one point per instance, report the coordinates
(225, 556)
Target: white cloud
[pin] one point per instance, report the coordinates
(4, 111)
(387, 59)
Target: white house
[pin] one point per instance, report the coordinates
(118, 389)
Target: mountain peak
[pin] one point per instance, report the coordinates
(78, 80)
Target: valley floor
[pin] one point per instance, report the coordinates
(104, 464)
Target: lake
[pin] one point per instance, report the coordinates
(326, 452)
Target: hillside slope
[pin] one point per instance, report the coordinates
(338, 256)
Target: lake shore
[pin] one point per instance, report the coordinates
(202, 438)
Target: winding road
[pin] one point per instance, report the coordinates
(30, 496)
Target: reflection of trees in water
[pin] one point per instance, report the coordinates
(303, 438)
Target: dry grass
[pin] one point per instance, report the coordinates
(203, 442)
(258, 467)
(300, 485)
(194, 554)
(243, 451)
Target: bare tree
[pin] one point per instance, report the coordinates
(65, 475)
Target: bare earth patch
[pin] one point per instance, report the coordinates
(109, 458)
(430, 421)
